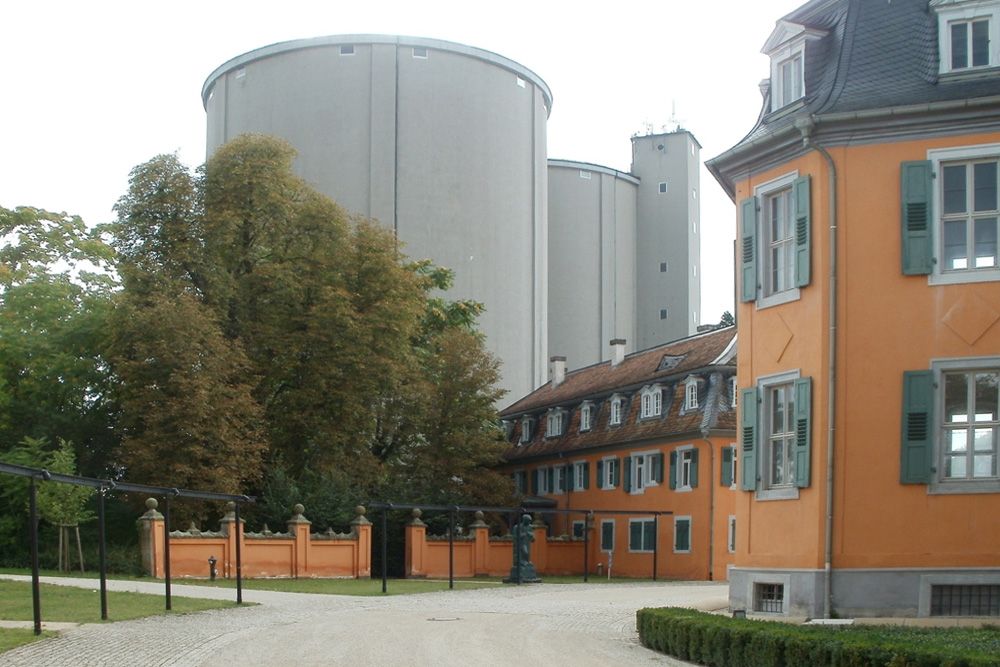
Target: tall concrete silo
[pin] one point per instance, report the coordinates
(444, 143)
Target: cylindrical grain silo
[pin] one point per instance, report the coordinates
(445, 143)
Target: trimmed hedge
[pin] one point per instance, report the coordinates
(720, 641)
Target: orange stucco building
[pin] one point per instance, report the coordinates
(869, 314)
(640, 434)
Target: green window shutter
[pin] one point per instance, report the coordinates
(552, 480)
(673, 470)
(800, 192)
(586, 474)
(918, 421)
(682, 535)
(803, 431)
(658, 468)
(748, 249)
(627, 464)
(617, 472)
(570, 477)
(634, 535)
(649, 535)
(917, 192)
(748, 438)
(600, 474)
(726, 477)
(694, 468)
(534, 482)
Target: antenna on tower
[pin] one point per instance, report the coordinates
(674, 120)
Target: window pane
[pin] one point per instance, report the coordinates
(955, 467)
(954, 189)
(985, 465)
(777, 464)
(957, 441)
(986, 396)
(983, 440)
(959, 46)
(956, 398)
(955, 249)
(984, 178)
(986, 242)
(980, 43)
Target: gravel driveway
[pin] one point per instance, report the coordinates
(548, 624)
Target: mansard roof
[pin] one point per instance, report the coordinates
(869, 56)
(708, 357)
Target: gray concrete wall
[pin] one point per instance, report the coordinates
(857, 593)
(669, 225)
(447, 149)
(592, 246)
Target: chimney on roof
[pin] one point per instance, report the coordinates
(617, 351)
(558, 371)
(765, 87)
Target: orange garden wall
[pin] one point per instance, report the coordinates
(297, 553)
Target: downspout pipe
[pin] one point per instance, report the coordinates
(711, 506)
(806, 125)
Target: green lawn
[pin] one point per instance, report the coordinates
(81, 605)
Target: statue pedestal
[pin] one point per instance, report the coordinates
(526, 574)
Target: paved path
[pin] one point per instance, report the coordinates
(555, 624)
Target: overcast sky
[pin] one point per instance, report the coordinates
(91, 89)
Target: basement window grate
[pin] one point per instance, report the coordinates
(769, 598)
(965, 600)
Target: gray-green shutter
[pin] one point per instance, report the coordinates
(534, 482)
(618, 472)
(748, 438)
(600, 474)
(552, 480)
(918, 422)
(682, 529)
(800, 192)
(803, 431)
(694, 468)
(673, 470)
(586, 474)
(748, 249)
(917, 195)
(627, 465)
(570, 477)
(658, 468)
(726, 477)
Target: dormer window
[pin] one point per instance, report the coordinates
(526, 426)
(555, 422)
(786, 47)
(733, 391)
(968, 34)
(691, 394)
(586, 416)
(652, 402)
(615, 417)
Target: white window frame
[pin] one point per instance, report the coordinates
(643, 470)
(940, 483)
(766, 490)
(734, 389)
(420, 52)
(950, 12)
(615, 409)
(543, 481)
(577, 523)
(559, 478)
(763, 194)
(527, 423)
(610, 464)
(679, 520)
(787, 46)
(736, 466)
(610, 522)
(555, 423)
(940, 158)
(579, 475)
(652, 401)
(685, 463)
(643, 547)
(690, 394)
(586, 416)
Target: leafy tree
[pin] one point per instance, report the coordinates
(332, 358)
(56, 281)
(727, 320)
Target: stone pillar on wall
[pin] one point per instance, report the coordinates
(226, 528)
(416, 546)
(362, 529)
(151, 537)
(298, 527)
(480, 557)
